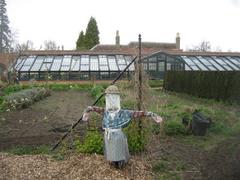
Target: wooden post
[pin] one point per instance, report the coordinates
(139, 104)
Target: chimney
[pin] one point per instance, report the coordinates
(178, 41)
(117, 38)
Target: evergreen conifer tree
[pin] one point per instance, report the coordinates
(91, 35)
(5, 32)
(80, 44)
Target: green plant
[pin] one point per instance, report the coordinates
(96, 91)
(174, 127)
(128, 104)
(93, 143)
(136, 141)
(21, 150)
(155, 83)
(23, 98)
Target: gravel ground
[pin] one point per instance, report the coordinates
(76, 166)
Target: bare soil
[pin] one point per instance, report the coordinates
(44, 122)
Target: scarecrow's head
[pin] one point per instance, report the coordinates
(112, 98)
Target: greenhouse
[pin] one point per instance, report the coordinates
(72, 67)
(107, 66)
(158, 63)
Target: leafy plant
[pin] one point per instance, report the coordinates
(174, 127)
(93, 143)
(21, 150)
(23, 98)
(96, 91)
(136, 141)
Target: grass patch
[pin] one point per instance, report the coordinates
(33, 150)
(155, 83)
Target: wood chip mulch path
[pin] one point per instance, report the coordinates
(76, 166)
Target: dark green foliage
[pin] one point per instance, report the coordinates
(14, 88)
(64, 87)
(5, 32)
(91, 35)
(80, 44)
(155, 83)
(173, 127)
(96, 91)
(21, 150)
(136, 141)
(216, 85)
(93, 143)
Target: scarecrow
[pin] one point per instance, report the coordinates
(114, 119)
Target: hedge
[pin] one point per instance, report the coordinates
(219, 85)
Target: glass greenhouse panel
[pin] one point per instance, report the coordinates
(220, 68)
(104, 68)
(121, 67)
(38, 63)
(161, 66)
(187, 68)
(145, 66)
(152, 66)
(84, 63)
(94, 63)
(103, 60)
(20, 62)
(129, 60)
(206, 63)
(56, 65)
(234, 66)
(28, 63)
(112, 63)
(46, 67)
(198, 63)
(66, 62)
(235, 60)
(223, 63)
(190, 63)
(120, 59)
(48, 59)
(75, 66)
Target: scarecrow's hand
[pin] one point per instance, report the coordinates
(156, 118)
(89, 109)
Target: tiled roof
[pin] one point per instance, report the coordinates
(194, 53)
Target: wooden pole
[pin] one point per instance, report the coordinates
(139, 104)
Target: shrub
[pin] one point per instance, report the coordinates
(93, 143)
(136, 141)
(173, 127)
(24, 98)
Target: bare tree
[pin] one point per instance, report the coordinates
(203, 46)
(25, 46)
(50, 45)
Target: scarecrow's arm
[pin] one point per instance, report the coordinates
(96, 109)
(155, 117)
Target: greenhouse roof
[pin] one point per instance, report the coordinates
(71, 61)
(206, 61)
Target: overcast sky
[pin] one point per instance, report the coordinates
(217, 21)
